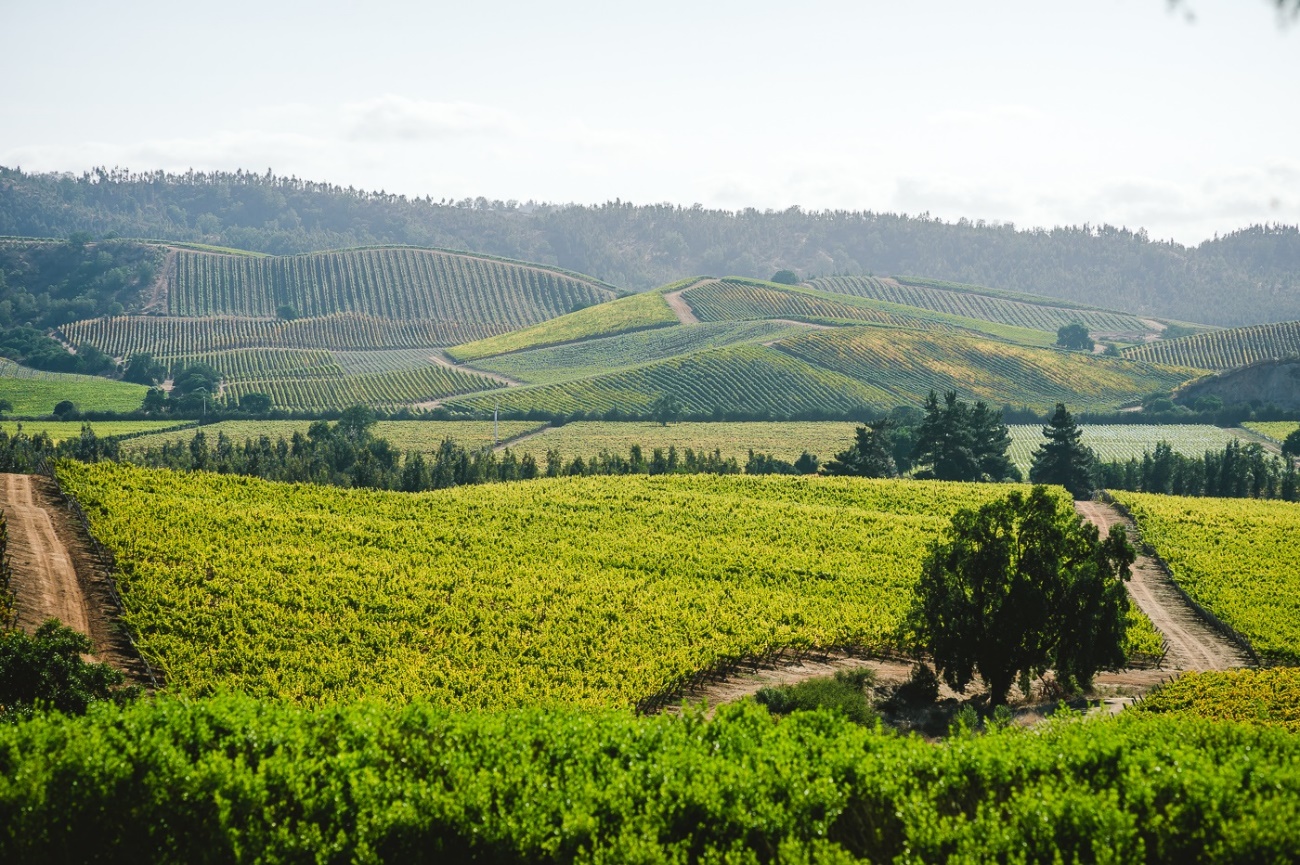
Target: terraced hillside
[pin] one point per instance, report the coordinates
(1224, 349)
(1036, 313)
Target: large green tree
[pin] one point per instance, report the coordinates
(869, 455)
(1020, 586)
(1063, 459)
(959, 442)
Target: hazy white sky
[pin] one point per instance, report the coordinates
(1039, 112)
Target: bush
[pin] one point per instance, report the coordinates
(845, 692)
(46, 671)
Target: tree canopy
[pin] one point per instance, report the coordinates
(1020, 586)
(1063, 459)
(1074, 337)
(959, 442)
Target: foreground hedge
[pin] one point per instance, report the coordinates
(231, 779)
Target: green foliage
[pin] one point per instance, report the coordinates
(959, 442)
(1291, 444)
(35, 394)
(969, 301)
(1237, 471)
(870, 455)
(1121, 442)
(6, 574)
(141, 368)
(1212, 544)
(1074, 337)
(232, 779)
(846, 693)
(1269, 697)
(785, 277)
(1020, 586)
(578, 590)
(1224, 349)
(1062, 459)
(638, 312)
(46, 671)
(906, 365)
(666, 409)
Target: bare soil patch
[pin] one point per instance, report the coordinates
(683, 310)
(56, 574)
(158, 292)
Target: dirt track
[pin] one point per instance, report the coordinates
(1194, 644)
(442, 360)
(685, 314)
(55, 573)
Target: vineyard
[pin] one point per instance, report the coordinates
(1225, 349)
(244, 364)
(125, 335)
(785, 440)
(743, 300)
(1236, 557)
(400, 284)
(389, 389)
(749, 379)
(1275, 430)
(234, 779)
(1265, 697)
(35, 392)
(637, 312)
(1121, 442)
(596, 356)
(60, 430)
(576, 591)
(972, 302)
(405, 435)
(905, 365)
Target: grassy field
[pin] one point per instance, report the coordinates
(34, 392)
(637, 312)
(1236, 557)
(60, 430)
(412, 435)
(1275, 430)
(573, 591)
(785, 440)
(1120, 442)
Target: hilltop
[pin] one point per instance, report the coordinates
(1248, 277)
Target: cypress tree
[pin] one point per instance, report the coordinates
(1063, 459)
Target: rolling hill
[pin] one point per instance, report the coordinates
(1225, 349)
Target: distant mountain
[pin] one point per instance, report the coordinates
(1251, 276)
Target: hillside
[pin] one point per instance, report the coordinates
(36, 392)
(1247, 277)
(1225, 349)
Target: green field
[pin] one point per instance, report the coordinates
(1225, 349)
(749, 379)
(385, 389)
(35, 393)
(637, 312)
(1275, 430)
(405, 435)
(1043, 314)
(598, 356)
(1236, 557)
(785, 440)
(1121, 442)
(60, 430)
(572, 591)
(906, 365)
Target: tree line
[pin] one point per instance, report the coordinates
(1249, 276)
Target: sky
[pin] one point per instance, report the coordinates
(1182, 120)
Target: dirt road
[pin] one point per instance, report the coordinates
(442, 360)
(57, 576)
(685, 314)
(1194, 644)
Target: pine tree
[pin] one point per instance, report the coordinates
(1063, 459)
(869, 456)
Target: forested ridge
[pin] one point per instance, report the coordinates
(1250, 276)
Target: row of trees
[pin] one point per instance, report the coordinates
(1238, 471)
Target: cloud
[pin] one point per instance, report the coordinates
(397, 118)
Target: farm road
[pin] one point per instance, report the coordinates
(1194, 644)
(685, 314)
(55, 575)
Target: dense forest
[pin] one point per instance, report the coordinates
(1250, 276)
